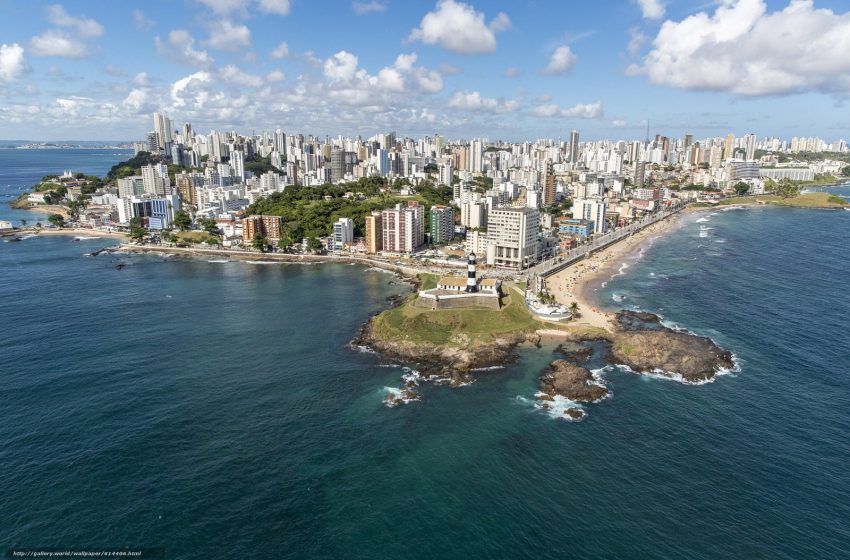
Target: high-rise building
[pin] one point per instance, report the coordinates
(729, 146)
(343, 232)
(270, 226)
(640, 174)
(574, 147)
(156, 212)
(473, 214)
(549, 184)
(512, 235)
(156, 180)
(442, 224)
(131, 186)
(237, 163)
(162, 127)
(446, 174)
(476, 159)
(374, 235)
(592, 209)
(402, 228)
(750, 143)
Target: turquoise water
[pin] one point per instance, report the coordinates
(216, 410)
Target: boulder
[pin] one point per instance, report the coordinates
(571, 381)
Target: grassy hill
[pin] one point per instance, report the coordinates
(808, 200)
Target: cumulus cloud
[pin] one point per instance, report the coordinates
(179, 47)
(280, 51)
(275, 76)
(277, 7)
(141, 21)
(636, 41)
(84, 27)
(235, 75)
(225, 6)
(341, 66)
(13, 65)
(54, 42)
(228, 36)
(561, 60)
(459, 28)
(580, 111)
(474, 101)
(744, 50)
(651, 9)
(362, 8)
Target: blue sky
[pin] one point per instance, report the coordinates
(502, 70)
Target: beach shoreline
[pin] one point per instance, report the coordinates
(579, 282)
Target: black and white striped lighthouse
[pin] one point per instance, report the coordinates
(471, 284)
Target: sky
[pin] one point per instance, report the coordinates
(502, 70)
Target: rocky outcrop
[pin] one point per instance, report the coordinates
(573, 382)
(668, 352)
(447, 363)
(638, 321)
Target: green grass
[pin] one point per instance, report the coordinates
(429, 281)
(454, 327)
(808, 200)
(195, 237)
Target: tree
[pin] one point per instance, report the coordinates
(138, 231)
(209, 225)
(260, 242)
(314, 245)
(56, 219)
(787, 189)
(741, 188)
(845, 170)
(24, 223)
(182, 220)
(574, 309)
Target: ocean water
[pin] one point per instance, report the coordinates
(20, 169)
(216, 410)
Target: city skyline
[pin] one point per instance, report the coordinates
(96, 71)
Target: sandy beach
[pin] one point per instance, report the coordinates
(578, 282)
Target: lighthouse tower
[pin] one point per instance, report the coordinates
(471, 284)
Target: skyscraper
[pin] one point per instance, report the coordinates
(549, 184)
(374, 236)
(574, 147)
(162, 127)
(750, 142)
(729, 146)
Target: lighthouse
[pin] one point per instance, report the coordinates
(471, 284)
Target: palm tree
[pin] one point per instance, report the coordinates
(23, 223)
(574, 309)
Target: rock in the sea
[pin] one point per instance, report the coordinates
(638, 321)
(695, 358)
(571, 381)
(576, 353)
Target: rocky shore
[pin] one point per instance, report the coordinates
(449, 365)
(640, 342)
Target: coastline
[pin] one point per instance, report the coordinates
(74, 232)
(577, 283)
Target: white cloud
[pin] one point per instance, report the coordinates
(84, 27)
(138, 102)
(225, 6)
(458, 28)
(651, 9)
(361, 8)
(562, 60)
(54, 42)
(619, 123)
(228, 36)
(235, 75)
(636, 41)
(448, 69)
(580, 111)
(744, 50)
(141, 79)
(275, 76)
(180, 48)
(340, 67)
(280, 51)
(512, 72)
(13, 65)
(474, 101)
(141, 21)
(277, 7)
